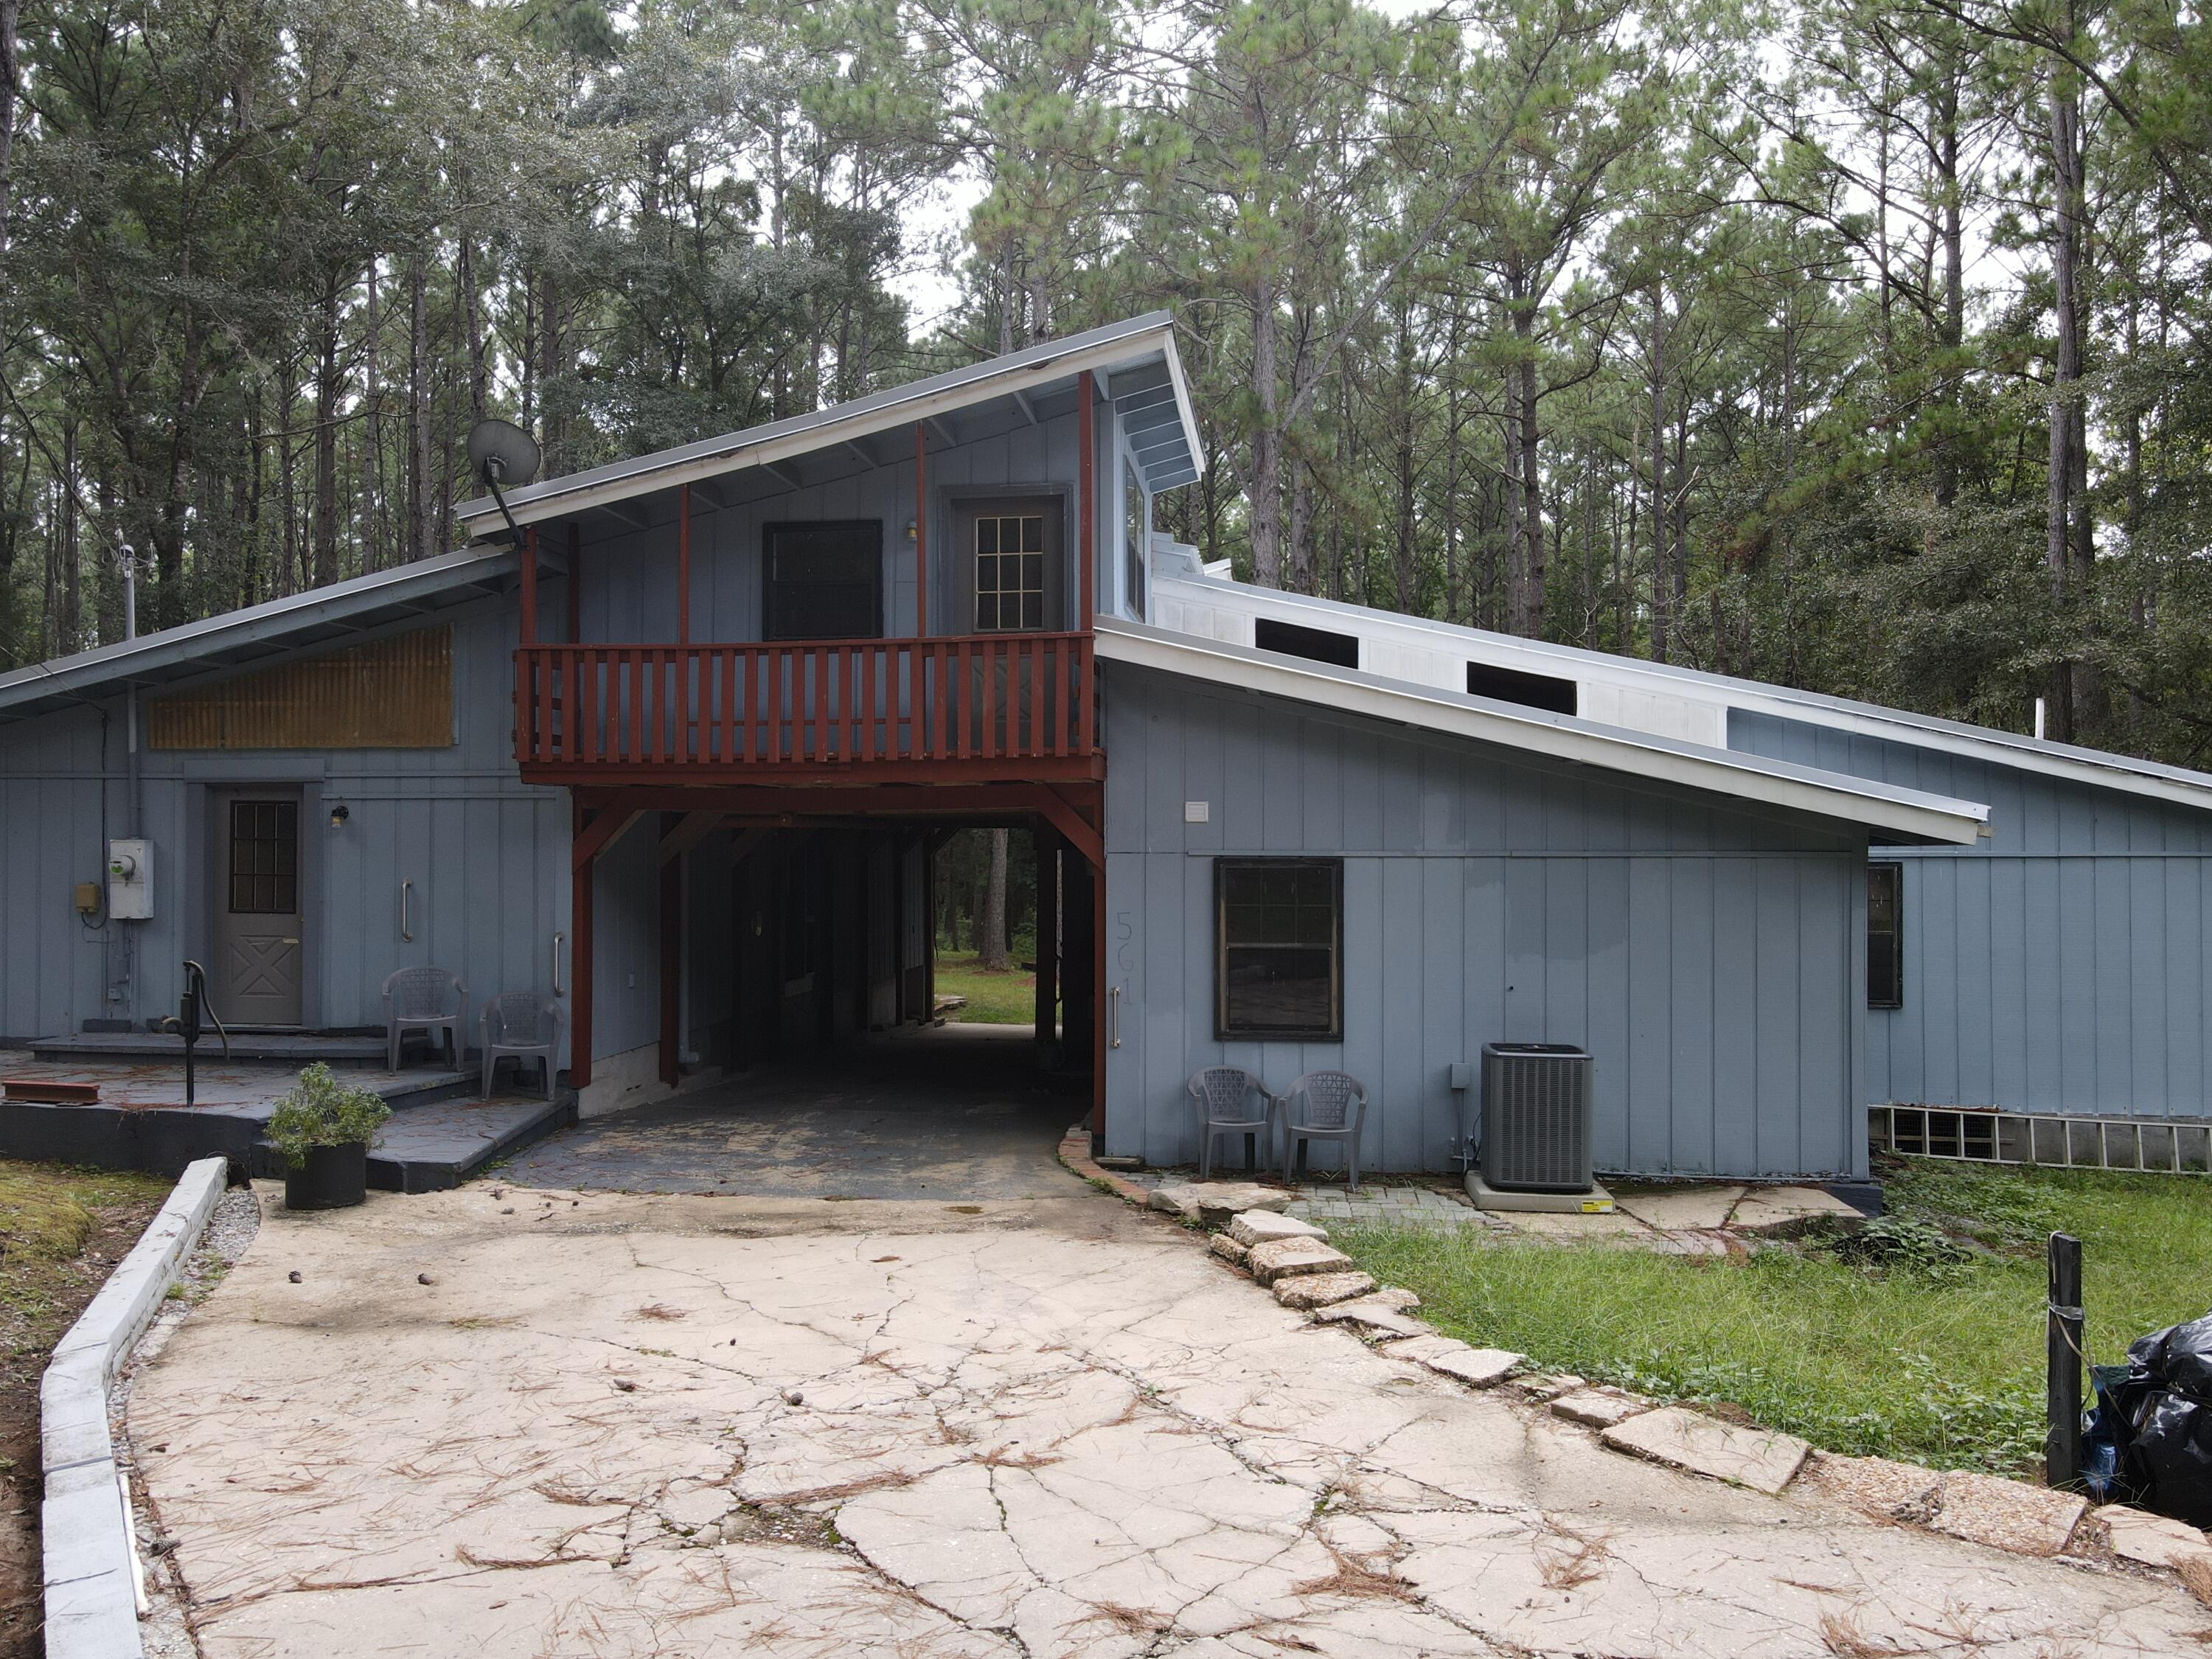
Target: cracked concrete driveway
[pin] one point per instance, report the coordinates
(683, 1425)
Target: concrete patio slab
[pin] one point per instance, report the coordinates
(662, 1426)
(1778, 1211)
(1675, 1209)
(2007, 1514)
(948, 1112)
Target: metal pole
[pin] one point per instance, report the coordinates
(2061, 1444)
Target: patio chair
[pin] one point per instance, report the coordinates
(1324, 1106)
(1231, 1100)
(520, 1025)
(427, 999)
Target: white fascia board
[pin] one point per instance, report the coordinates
(1183, 408)
(1907, 812)
(551, 500)
(2093, 767)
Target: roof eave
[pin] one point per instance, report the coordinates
(560, 497)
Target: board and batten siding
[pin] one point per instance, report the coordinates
(2061, 965)
(1711, 958)
(486, 855)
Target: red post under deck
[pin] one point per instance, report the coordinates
(672, 960)
(580, 965)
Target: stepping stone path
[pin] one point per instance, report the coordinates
(1310, 1290)
(1260, 1226)
(1682, 1439)
(2006, 1515)
(1600, 1407)
(2153, 1541)
(1289, 1258)
(1217, 1203)
(1295, 1260)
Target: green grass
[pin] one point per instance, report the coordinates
(1001, 999)
(1932, 1352)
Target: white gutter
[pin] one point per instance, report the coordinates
(559, 497)
(1907, 812)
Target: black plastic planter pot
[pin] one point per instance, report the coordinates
(331, 1178)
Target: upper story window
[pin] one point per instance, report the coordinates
(823, 582)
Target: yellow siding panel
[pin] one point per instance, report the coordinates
(393, 694)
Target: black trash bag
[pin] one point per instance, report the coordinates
(2158, 1415)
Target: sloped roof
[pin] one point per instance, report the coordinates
(1155, 406)
(1897, 814)
(320, 616)
(1722, 692)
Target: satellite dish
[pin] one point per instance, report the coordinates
(501, 452)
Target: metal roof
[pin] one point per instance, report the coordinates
(1144, 380)
(1900, 814)
(2094, 767)
(320, 616)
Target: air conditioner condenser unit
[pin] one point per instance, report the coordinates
(1537, 1118)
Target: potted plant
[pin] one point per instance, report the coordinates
(324, 1128)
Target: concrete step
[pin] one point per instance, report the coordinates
(291, 1048)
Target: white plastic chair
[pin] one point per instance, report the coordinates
(520, 1025)
(1231, 1100)
(1324, 1106)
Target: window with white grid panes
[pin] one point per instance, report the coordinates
(1009, 572)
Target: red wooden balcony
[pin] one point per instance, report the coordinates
(992, 706)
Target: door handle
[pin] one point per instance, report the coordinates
(406, 928)
(1114, 995)
(558, 939)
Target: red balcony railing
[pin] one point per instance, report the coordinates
(1011, 696)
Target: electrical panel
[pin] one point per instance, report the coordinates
(131, 880)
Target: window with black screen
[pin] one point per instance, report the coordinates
(1280, 935)
(825, 581)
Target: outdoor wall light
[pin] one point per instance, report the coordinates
(338, 816)
(909, 530)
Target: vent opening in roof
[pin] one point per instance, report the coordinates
(1315, 644)
(1512, 686)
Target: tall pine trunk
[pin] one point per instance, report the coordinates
(2065, 380)
(325, 540)
(993, 947)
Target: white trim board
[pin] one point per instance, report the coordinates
(1905, 813)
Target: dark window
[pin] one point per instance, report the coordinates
(825, 581)
(1316, 643)
(1280, 931)
(264, 858)
(1009, 572)
(1511, 685)
(1136, 527)
(1884, 936)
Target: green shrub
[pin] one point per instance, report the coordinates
(321, 1111)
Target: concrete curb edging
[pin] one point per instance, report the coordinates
(91, 1598)
(1075, 1154)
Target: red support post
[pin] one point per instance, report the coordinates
(1087, 466)
(672, 959)
(580, 964)
(683, 564)
(920, 532)
(530, 586)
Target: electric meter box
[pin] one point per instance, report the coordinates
(131, 880)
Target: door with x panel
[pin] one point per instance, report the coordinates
(257, 911)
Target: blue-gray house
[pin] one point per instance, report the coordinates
(680, 756)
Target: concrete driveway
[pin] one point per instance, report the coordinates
(614, 1425)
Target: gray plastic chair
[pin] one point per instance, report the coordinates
(1324, 1106)
(1231, 1100)
(427, 999)
(520, 1025)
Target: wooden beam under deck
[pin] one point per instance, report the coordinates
(856, 777)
